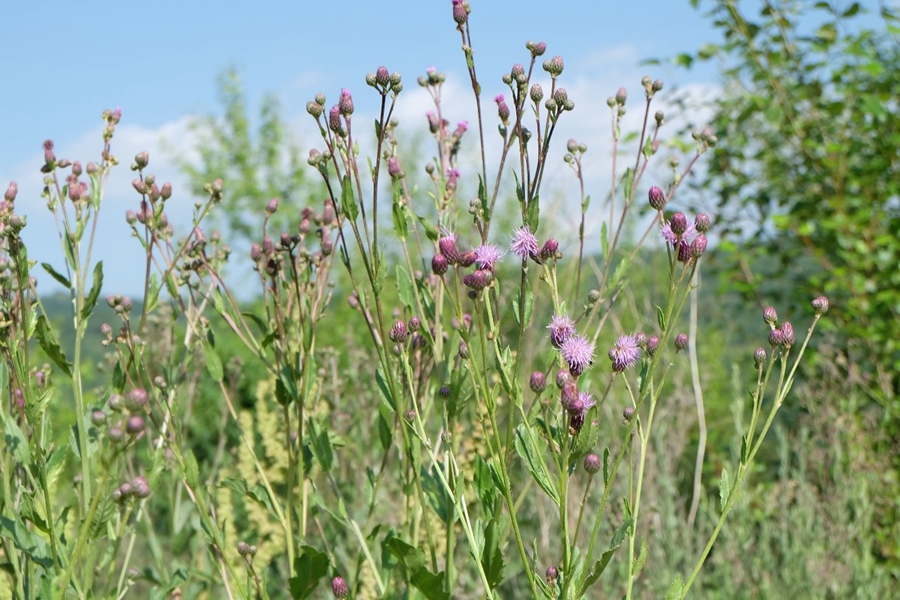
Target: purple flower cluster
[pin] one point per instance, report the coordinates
(688, 239)
(625, 353)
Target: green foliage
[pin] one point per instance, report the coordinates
(808, 166)
(255, 166)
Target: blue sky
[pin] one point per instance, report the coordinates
(63, 63)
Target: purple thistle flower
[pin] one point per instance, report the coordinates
(624, 353)
(452, 177)
(579, 410)
(578, 353)
(487, 255)
(666, 232)
(561, 329)
(524, 244)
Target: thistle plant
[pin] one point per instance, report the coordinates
(489, 385)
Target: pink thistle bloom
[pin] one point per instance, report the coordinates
(578, 354)
(487, 255)
(561, 328)
(624, 353)
(524, 243)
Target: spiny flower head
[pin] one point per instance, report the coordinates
(624, 353)
(487, 255)
(524, 243)
(578, 353)
(561, 329)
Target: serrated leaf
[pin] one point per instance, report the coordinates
(533, 460)
(91, 301)
(600, 565)
(62, 279)
(491, 556)
(348, 201)
(309, 567)
(50, 346)
(213, 362)
(431, 585)
(724, 488)
(26, 541)
(485, 482)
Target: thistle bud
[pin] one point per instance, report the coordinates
(770, 316)
(698, 246)
(11, 192)
(681, 342)
(141, 160)
(678, 223)
(549, 249)
(439, 264)
(621, 96)
(338, 585)
(652, 345)
(134, 425)
(787, 334)
(701, 222)
(628, 414)
(314, 109)
(537, 382)
(345, 103)
(591, 464)
(554, 66)
(460, 12)
(536, 93)
(272, 206)
(759, 357)
(382, 77)
(820, 305)
(551, 576)
(656, 197)
(398, 333)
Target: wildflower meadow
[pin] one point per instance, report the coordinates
(437, 376)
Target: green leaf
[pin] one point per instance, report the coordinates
(606, 466)
(16, 442)
(50, 346)
(586, 203)
(745, 449)
(629, 183)
(27, 541)
(485, 480)
(191, 469)
(660, 318)
(309, 567)
(321, 445)
(91, 301)
(436, 494)
(348, 201)
(380, 270)
(405, 290)
(533, 459)
(400, 218)
(676, 590)
(431, 585)
(491, 556)
(213, 362)
(431, 231)
(118, 377)
(724, 488)
(533, 214)
(385, 421)
(384, 389)
(56, 275)
(600, 565)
